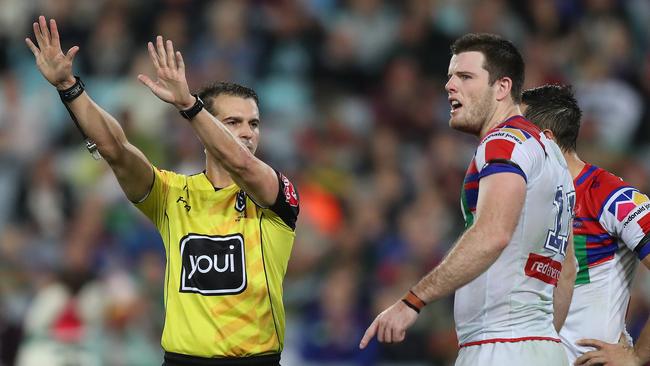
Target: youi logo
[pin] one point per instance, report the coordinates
(213, 265)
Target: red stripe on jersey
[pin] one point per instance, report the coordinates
(599, 244)
(471, 169)
(499, 149)
(509, 340)
(471, 185)
(644, 222)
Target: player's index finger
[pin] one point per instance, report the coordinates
(367, 336)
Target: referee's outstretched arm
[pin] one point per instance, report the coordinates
(131, 167)
(257, 178)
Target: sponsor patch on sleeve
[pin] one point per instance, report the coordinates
(625, 202)
(290, 194)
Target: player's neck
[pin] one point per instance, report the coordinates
(500, 115)
(217, 175)
(574, 163)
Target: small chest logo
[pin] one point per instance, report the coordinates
(213, 265)
(240, 201)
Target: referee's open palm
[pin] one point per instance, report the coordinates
(171, 85)
(55, 66)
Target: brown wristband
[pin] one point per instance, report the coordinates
(413, 301)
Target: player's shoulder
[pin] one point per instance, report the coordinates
(517, 131)
(603, 184)
(613, 194)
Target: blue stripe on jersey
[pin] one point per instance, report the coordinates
(471, 178)
(601, 252)
(501, 168)
(598, 238)
(471, 195)
(584, 219)
(586, 175)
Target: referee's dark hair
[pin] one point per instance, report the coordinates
(210, 92)
(554, 107)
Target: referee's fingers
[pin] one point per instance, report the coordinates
(370, 332)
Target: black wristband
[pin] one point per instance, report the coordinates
(193, 110)
(72, 92)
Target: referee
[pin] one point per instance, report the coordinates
(228, 231)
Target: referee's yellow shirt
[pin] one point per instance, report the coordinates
(226, 259)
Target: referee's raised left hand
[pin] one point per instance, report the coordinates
(171, 84)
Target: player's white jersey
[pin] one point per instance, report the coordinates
(610, 231)
(513, 300)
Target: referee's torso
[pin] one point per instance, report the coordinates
(226, 259)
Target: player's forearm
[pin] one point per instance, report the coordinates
(473, 254)
(563, 293)
(562, 300)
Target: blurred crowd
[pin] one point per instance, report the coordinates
(353, 109)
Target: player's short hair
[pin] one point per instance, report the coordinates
(555, 108)
(212, 91)
(502, 59)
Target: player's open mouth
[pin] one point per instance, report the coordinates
(455, 105)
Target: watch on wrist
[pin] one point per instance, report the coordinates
(191, 112)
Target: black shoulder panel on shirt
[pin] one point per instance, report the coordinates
(287, 203)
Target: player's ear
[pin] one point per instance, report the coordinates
(503, 87)
(549, 134)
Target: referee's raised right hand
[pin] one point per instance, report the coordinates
(55, 66)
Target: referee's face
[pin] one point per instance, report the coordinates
(241, 116)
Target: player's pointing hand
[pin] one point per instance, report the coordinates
(55, 66)
(390, 326)
(171, 85)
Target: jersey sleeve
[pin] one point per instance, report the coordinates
(508, 150)
(153, 205)
(626, 215)
(287, 202)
